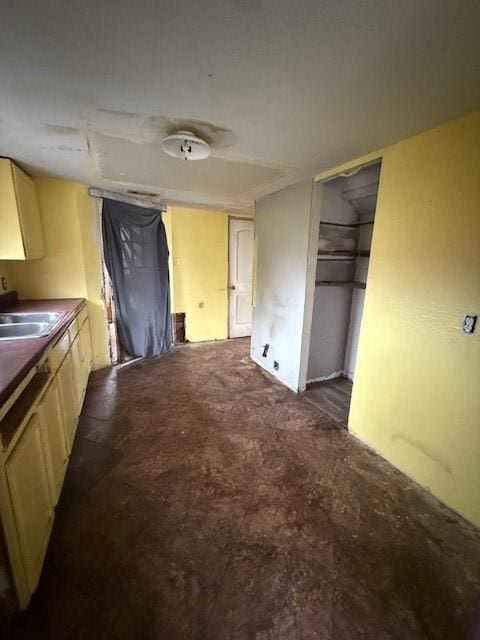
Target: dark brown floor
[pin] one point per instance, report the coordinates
(332, 396)
(205, 502)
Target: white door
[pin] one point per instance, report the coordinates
(240, 277)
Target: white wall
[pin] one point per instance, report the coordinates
(356, 314)
(282, 233)
(331, 311)
(334, 207)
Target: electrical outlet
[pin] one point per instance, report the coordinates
(469, 323)
(276, 366)
(3, 282)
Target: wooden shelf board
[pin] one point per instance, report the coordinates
(360, 222)
(335, 259)
(360, 253)
(338, 224)
(336, 283)
(350, 225)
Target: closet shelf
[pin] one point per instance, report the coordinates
(359, 223)
(341, 283)
(335, 259)
(333, 255)
(350, 225)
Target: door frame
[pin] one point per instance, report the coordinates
(106, 293)
(232, 217)
(315, 217)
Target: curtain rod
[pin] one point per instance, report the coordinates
(125, 197)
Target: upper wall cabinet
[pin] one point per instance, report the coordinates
(21, 236)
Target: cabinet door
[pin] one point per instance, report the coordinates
(53, 438)
(30, 496)
(11, 244)
(86, 350)
(77, 374)
(29, 214)
(67, 399)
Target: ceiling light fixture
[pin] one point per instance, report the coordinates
(186, 145)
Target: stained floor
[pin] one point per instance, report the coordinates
(203, 501)
(333, 397)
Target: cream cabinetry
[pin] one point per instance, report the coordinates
(30, 495)
(22, 236)
(77, 375)
(85, 352)
(53, 437)
(65, 378)
(37, 437)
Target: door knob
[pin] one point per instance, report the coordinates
(232, 286)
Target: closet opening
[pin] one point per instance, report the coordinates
(347, 216)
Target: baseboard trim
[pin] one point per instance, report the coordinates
(270, 373)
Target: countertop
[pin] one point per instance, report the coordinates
(17, 357)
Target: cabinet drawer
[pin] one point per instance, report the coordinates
(59, 351)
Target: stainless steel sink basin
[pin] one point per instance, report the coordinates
(24, 330)
(27, 325)
(37, 316)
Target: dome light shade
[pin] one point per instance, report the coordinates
(185, 145)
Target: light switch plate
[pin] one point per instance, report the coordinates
(469, 323)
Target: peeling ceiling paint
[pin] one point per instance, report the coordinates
(280, 90)
(145, 162)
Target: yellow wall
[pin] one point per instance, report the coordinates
(416, 396)
(71, 267)
(198, 242)
(92, 264)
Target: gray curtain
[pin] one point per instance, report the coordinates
(136, 256)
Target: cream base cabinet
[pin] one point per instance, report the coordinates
(53, 438)
(68, 398)
(85, 351)
(77, 373)
(42, 420)
(30, 496)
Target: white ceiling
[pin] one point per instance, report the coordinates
(282, 89)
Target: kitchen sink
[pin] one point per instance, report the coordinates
(27, 325)
(24, 330)
(37, 316)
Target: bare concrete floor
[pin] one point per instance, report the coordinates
(205, 502)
